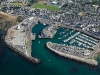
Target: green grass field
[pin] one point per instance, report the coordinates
(46, 6)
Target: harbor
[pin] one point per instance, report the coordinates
(47, 57)
(61, 36)
(23, 31)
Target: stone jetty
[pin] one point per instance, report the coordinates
(67, 51)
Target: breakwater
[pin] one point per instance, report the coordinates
(89, 61)
(18, 38)
(19, 52)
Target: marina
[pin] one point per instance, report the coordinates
(72, 37)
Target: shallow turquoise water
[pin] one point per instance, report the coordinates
(52, 64)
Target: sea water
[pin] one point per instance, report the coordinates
(52, 64)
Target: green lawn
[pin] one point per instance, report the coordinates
(46, 6)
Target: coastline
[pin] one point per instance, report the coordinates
(58, 24)
(75, 48)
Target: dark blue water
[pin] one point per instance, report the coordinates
(52, 64)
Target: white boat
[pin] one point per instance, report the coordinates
(39, 42)
(44, 23)
(59, 38)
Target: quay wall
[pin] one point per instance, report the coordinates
(91, 62)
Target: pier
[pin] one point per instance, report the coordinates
(72, 37)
